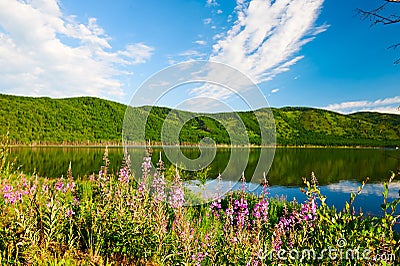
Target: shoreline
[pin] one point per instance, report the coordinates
(220, 146)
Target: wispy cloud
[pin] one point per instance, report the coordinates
(46, 52)
(275, 90)
(387, 105)
(200, 42)
(212, 3)
(207, 21)
(262, 42)
(267, 35)
(192, 55)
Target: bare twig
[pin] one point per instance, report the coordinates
(377, 17)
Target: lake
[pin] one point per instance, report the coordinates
(339, 170)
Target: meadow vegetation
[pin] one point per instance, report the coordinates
(116, 219)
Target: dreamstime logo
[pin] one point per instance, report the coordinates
(331, 253)
(211, 91)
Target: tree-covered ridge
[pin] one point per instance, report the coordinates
(301, 126)
(92, 120)
(71, 120)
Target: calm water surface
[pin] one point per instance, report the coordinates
(339, 171)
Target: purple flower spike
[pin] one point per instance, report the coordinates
(158, 188)
(176, 197)
(260, 210)
(123, 175)
(69, 213)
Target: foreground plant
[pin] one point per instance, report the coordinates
(112, 219)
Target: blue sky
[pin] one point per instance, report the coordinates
(299, 52)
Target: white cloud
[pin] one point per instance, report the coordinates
(219, 11)
(190, 53)
(212, 3)
(187, 55)
(262, 42)
(200, 42)
(207, 21)
(203, 105)
(218, 36)
(275, 90)
(160, 84)
(45, 52)
(171, 61)
(267, 35)
(387, 105)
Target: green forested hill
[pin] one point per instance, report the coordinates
(56, 120)
(92, 120)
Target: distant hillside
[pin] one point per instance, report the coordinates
(92, 120)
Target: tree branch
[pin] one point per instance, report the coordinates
(377, 17)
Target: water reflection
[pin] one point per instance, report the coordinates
(369, 189)
(368, 201)
(339, 171)
(289, 165)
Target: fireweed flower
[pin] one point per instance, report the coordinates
(253, 263)
(76, 201)
(123, 176)
(241, 210)
(230, 212)
(243, 186)
(18, 196)
(59, 186)
(309, 210)
(8, 197)
(176, 196)
(32, 190)
(71, 186)
(146, 166)
(45, 188)
(215, 207)
(197, 259)
(103, 176)
(158, 188)
(11, 196)
(69, 213)
(229, 216)
(141, 190)
(305, 218)
(265, 186)
(7, 189)
(24, 182)
(260, 210)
